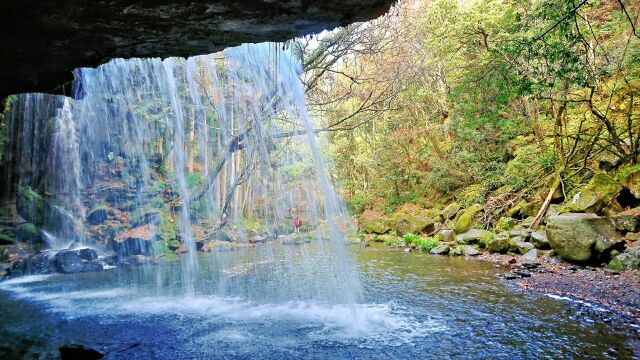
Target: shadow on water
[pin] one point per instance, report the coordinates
(263, 302)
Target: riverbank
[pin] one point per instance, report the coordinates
(616, 291)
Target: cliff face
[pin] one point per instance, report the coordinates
(43, 41)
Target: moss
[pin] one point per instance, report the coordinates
(467, 219)
(593, 197)
(485, 239)
(374, 222)
(505, 223)
(32, 206)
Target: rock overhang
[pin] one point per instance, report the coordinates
(43, 41)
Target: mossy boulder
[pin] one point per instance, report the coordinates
(592, 198)
(519, 246)
(468, 219)
(440, 250)
(627, 220)
(525, 209)
(413, 220)
(374, 222)
(539, 240)
(473, 236)
(505, 223)
(629, 260)
(466, 250)
(630, 179)
(498, 244)
(28, 233)
(582, 237)
(450, 211)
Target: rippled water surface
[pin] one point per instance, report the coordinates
(278, 303)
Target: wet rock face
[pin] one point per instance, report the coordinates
(44, 41)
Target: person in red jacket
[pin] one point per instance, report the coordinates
(297, 222)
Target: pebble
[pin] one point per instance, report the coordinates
(510, 276)
(523, 273)
(530, 265)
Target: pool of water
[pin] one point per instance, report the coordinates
(288, 302)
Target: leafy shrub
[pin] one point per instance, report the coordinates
(410, 239)
(426, 243)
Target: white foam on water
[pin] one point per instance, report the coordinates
(366, 325)
(23, 280)
(577, 301)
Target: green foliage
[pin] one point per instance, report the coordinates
(425, 243)
(410, 239)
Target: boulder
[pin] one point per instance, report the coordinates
(582, 237)
(627, 221)
(629, 260)
(518, 245)
(499, 245)
(137, 241)
(466, 250)
(411, 219)
(97, 215)
(631, 180)
(531, 255)
(600, 190)
(468, 219)
(505, 223)
(525, 209)
(75, 261)
(39, 263)
(450, 211)
(539, 240)
(472, 236)
(440, 250)
(374, 222)
(445, 235)
(521, 232)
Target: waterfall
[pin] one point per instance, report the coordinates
(158, 157)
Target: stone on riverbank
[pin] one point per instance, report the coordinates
(518, 245)
(530, 255)
(472, 236)
(411, 219)
(374, 222)
(540, 241)
(628, 260)
(466, 250)
(582, 237)
(467, 219)
(499, 244)
(440, 250)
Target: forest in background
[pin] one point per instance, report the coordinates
(506, 104)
